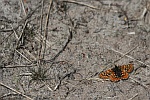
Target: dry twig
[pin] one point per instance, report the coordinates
(126, 53)
(23, 7)
(133, 96)
(139, 83)
(15, 91)
(128, 56)
(80, 3)
(69, 39)
(41, 28)
(18, 66)
(46, 29)
(23, 56)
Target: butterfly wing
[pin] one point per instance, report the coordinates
(106, 74)
(114, 78)
(112, 75)
(127, 68)
(109, 74)
(125, 75)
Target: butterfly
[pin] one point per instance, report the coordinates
(117, 73)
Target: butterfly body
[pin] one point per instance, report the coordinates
(117, 73)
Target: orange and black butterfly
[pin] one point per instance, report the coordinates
(117, 73)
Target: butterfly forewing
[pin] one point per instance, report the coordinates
(127, 68)
(105, 74)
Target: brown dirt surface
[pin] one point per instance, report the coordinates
(55, 49)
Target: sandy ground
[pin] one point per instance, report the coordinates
(62, 60)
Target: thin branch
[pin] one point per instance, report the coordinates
(41, 28)
(96, 79)
(46, 28)
(6, 38)
(81, 3)
(14, 31)
(15, 91)
(7, 95)
(63, 77)
(126, 53)
(129, 57)
(23, 56)
(69, 39)
(133, 96)
(47, 86)
(22, 33)
(16, 66)
(144, 13)
(139, 83)
(23, 7)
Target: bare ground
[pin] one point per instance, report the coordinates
(55, 50)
